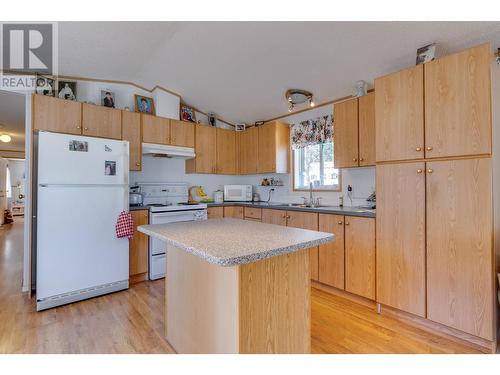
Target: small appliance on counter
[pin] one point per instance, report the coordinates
(218, 196)
(199, 195)
(238, 193)
(135, 196)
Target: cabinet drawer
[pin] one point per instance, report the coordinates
(251, 219)
(253, 213)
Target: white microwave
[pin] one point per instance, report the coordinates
(238, 193)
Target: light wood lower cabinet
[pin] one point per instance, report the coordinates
(57, 115)
(306, 220)
(139, 248)
(131, 132)
(331, 255)
(215, 212)
(253, 213)
(277, 217)
(360, 256)
(101, 122)
(235, 212)
(401, 236)
(460, 284)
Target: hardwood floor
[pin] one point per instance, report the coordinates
(132, 321)
(123, 322)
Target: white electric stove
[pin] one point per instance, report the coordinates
(167, 203)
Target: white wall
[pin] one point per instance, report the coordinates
(172, 170)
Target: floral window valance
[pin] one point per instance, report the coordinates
(312, 132)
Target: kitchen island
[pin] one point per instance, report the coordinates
(237, 286)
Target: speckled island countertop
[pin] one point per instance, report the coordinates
(231, 242)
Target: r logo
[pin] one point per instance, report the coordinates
(28, 47)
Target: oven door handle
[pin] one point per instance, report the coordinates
(177, 213)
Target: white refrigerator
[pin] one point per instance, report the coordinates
(82, 188)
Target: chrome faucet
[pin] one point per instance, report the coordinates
(311, 199)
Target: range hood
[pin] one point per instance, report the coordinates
(167, 151)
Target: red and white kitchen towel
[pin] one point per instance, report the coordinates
(125, 225)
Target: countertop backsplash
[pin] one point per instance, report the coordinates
(172, 170)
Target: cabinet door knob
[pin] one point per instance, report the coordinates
(418, 148)
(137, 164)
(346, 223)
(78, 127)
(429, 148)
(86, 129)
(361, 159)
(339, 223)
(419, 170)
(354, 159)
(430, 170)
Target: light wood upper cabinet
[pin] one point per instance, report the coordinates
(274, 147)
(182, 133)
(57, 115)
(131, 132)
(346, 133)
(249, 151)
(399, 120)
(205, 148)
(101, 122)
(401, 236)
(458, 104)
(460, 286)
(331, 255)
(155, 129)
(226, 151)
(215, 212)
(306, 220)
(235, 212)
(139, 245)
(366, 121)
(271, 216)
(360, 256)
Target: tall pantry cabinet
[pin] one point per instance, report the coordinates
(434, 187)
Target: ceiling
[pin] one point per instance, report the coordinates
(12, 120)
(241, 70)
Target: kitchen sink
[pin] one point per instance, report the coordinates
(304, 205)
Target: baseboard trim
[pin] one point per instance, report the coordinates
(342, 293)
(140, 277)
(486, 346)
(449, 333)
